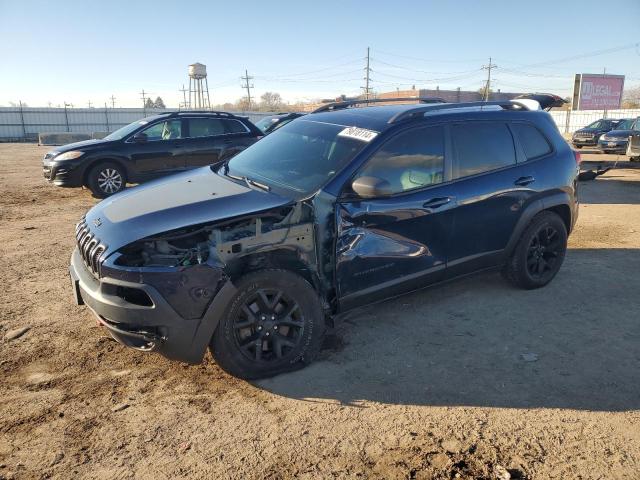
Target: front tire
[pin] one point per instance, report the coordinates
(539, 254)
(105, 179)
(273, 324)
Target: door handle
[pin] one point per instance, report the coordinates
(523, 181)
(436, 202)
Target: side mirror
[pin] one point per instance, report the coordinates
(370, 187)
(140, 137)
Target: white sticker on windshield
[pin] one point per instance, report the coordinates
(358, 133)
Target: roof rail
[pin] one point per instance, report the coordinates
(208, 112)
(350, 103)
(415, 112)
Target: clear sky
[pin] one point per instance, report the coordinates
(80, 51)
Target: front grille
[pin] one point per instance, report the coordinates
(584, 135)
(90, 247)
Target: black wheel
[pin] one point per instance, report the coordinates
(634, 159)
(105, 179)
(274, 324)
(539, 252)
(578, 146)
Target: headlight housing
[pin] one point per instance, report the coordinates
(72, 155)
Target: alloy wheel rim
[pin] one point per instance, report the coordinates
(110, 180)
(268, 326)
(543, 252)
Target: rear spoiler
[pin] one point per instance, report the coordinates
(546, 100)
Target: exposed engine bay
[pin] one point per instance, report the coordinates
(217, 243)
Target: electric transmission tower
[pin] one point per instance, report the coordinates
(367, 77)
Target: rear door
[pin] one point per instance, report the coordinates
(396, 243)
(494, 181)
(212, 139)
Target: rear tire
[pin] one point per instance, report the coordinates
(273, 324)
(106, 179)
(539, 254)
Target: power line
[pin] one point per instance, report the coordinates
(246, 85)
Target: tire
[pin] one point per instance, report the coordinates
(578, 146)
(539, 253)
(269, 305)
(106, 178)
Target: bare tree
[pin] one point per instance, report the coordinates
(631, 98)
(271, 102)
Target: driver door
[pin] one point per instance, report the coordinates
(162, 152)
(397, 242)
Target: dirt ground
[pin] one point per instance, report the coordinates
(474, 379)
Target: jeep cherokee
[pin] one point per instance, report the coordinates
(343, 207)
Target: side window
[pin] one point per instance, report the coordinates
(481, 147)
(234, 126)
(533, 142)
(167, 130)
(205, 127)
(413, 159)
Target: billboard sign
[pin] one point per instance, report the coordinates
(597, 91)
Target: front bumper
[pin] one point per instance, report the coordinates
(584, 142)
(147, 326)
(63, 174)
(613, 145)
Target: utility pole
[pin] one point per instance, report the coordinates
(144, 98)
(246, 85)
(113, 101)
(184, 96)
(89, 103)
(487, 87)
(367, 77)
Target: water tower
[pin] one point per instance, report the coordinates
(198, 92)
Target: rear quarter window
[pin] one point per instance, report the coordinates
(533, 142)
(481, 147)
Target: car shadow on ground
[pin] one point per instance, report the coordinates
(480, 342)
(610, 188)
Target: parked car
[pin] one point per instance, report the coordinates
(344, 207)
(633, 148)
(149, 148)
(616, 140)
(272, 122)
(589, 135)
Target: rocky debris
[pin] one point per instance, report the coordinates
(57, 459)
(16, 333)
(183, 447)
(120, 407)
(501, 473)
(452, 446)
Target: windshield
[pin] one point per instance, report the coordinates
(301, 156)
(599, 124)
(124, 131)
(266, 122)
(625, 124)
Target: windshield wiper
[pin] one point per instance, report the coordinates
(249, 182)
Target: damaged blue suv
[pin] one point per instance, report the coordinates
(342, 207)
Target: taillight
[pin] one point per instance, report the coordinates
(578, 157)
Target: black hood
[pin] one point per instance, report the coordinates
(84, 146)
(591, 130)
(190, 198)
(620, 133)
